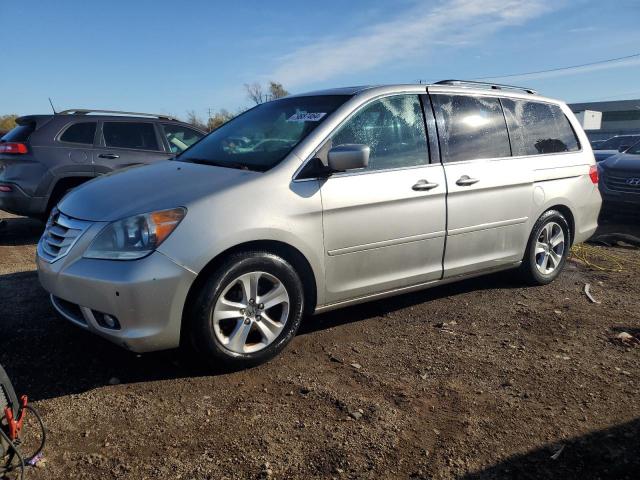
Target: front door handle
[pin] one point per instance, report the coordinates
(111, 156)
(466, 180)
(423, 185)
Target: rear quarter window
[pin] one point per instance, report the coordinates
(470, 127)
(83, 132)
(537, 128)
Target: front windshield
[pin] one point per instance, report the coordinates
(263, 136)
(634, 150)
(616, 142)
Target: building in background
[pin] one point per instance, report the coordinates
(619, 117)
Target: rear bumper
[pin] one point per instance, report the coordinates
(146, 297)
(19, 203)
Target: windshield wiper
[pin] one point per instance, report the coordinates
(215, 163)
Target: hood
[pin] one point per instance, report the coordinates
(603, 154)
(622, 161)
(163, 185)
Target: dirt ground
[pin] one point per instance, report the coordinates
(477, 380)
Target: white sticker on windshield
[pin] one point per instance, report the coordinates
(306, 117)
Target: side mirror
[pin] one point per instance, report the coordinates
(348, 157)
(622, 148)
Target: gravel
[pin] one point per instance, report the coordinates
(479, 379)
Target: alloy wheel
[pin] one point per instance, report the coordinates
(550, 248)
(251, 312)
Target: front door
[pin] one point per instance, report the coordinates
(384, 226)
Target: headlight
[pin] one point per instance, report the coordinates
(135, 237)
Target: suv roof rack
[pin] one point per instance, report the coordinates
(493, 86)
(83, 111)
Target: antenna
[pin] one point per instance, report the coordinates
(52, 107)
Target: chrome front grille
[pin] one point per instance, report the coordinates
(630, 183)
(61, 233)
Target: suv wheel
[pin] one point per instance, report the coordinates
(547, 249)
(248, 310)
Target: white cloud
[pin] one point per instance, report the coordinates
(415, 31)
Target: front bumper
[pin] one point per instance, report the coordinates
(146, 296)
(617, 200)
(19, 203)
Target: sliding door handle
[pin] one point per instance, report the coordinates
(466, 180)
(423, 185)
(111, 156)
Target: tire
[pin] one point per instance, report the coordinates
(545, 258)
(226, 327)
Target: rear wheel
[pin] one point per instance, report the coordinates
(547, 249)
(248, 310)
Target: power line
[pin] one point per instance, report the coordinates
(561, 68)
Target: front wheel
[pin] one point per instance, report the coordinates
(248, 310)
(547, 249)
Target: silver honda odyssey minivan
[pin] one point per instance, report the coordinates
(317, 201)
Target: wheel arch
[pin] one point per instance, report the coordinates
(63, 184)
(568, 214)
(291, 254)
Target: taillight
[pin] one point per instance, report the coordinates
(13, 147)
(593, 174)
(5, 188)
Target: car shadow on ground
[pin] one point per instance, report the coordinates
(16, 231)
(47, 357)
(611, 453)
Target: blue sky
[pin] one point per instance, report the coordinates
(172, 57)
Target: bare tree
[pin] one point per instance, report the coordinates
(276, 90)
(195, 120)
(254, 92)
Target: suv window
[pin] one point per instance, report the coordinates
(130, 135)
(536, 128)
(470, 127)
(83, 132)
(393, 128)
(180, 138)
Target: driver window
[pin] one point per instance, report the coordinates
(393, 127)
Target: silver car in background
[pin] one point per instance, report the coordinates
(318, 201)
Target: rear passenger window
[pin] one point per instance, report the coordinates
(130, 135)
(538, 128)
(470, 127)
(393, 128)
(80, 133)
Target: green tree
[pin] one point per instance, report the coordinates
(276, 90)
(7, 122)
(218, 119)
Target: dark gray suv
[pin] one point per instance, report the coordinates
(45, 156)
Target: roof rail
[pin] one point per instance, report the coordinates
(82, 111)
(493, 86)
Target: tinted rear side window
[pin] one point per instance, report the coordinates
(538, 128)
(20, 133)
(80, 133)
(130, 135)
(470, 127)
